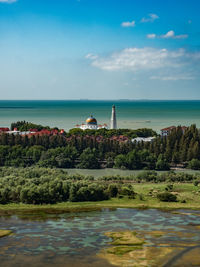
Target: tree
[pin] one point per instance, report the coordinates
(120, 162)
(133, 160)
(162, 164)
(194, 164)
(34, 153)
(89, 159)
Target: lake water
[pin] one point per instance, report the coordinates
(130, 114)
(108, 171)
(76, 239)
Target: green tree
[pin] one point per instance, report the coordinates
(162, 164)
(89, 159)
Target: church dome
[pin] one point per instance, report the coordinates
(91, 120)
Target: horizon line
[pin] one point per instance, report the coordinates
(120, 99)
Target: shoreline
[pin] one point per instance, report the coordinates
(59, 208)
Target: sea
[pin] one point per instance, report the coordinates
(132, 114)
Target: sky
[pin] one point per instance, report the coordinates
(99, 49)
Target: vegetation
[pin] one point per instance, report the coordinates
(167, 197)
(99, 149)
(5, 233)
(144, 132)
(25, 126)
(194, 164)
(47, 186)
(50, 186)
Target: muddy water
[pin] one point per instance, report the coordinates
(76, 239)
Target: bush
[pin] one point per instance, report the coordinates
(162, 165)
(167, 197)
(141, 197)
(128, 191)
(169, 187)
(194, 164)
(112, 190)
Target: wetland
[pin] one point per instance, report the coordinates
(104, 237)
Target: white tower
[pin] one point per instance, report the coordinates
(113, 121)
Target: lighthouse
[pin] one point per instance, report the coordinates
(113, 121)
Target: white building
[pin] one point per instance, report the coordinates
(168, 130)
(143, 139)
(91, 124)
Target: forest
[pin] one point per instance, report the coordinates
(98, 149)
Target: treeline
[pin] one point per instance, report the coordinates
(144, 132)
(178, 147)
(25, 126)
(153, 177)
(49, 186)
(96, 151)
(45, 186)
(89, 158)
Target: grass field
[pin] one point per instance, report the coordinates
(187, 194)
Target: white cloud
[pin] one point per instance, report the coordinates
(91, 56)
(168, 35)
(8, 1)
(183, 77)
(151, 18)
(128, 24)
(151, 36)
(146, 59)
(171, 34)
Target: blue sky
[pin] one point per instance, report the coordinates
(99, 49)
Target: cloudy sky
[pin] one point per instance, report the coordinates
(99, 49)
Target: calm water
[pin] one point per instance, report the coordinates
(75, 239)
(107, 172)
(130, 114)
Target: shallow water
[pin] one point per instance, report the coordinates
(75, 239)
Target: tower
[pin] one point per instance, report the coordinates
(113, 121)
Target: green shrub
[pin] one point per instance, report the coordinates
(169, 187)
(167, 197)
(112, 190)
(194, 164)
(128, 191)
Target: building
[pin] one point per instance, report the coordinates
(168, 130)
(120, 138)
(143, 139)
(4, 129)
(35, 132)
(91, 124)
(113, 121)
